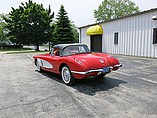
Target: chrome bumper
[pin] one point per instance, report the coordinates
(116, 66)
(97, 70)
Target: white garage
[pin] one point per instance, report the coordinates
(130, 35)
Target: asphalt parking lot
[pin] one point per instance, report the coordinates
(130, 92)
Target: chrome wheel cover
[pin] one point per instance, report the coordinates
(66, 75)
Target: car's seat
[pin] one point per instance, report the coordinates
(57, 53)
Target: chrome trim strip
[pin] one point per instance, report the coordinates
(76, 72)
(97, 70)
(118, 65)
(83, 73)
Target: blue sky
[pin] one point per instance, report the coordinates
(79, 11)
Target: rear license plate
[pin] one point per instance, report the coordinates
(106, 70)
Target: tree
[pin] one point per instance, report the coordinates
(2, 28)
(111, 9)
(75, 32)
(63, 30)
(30, 24)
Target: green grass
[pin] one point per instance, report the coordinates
(14, 49)
(26, 52)
(21, 51)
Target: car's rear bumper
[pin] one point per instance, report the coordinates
(98, 71)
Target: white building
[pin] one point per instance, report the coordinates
(130, 35)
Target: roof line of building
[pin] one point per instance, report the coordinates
(139, 13)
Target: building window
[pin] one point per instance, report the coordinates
(155, 36)
(116, 38)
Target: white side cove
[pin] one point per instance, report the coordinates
(45, 64)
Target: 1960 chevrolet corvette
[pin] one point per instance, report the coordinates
(75, 61)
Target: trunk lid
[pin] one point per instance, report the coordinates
(93, 60)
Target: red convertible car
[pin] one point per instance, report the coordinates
(76, 61)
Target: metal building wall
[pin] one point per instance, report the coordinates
(83, 37)
(135, 35)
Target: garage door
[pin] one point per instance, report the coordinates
(96, 43)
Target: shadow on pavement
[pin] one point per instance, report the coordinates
(91, 85)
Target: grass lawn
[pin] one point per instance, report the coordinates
(14, 49)
(25, 52)
(20, 50)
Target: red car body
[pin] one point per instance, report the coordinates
(81, 62)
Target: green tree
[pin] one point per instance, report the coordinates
(110, 9)
(63, 29)
(75, 32)
(2, 28)
(30, 24)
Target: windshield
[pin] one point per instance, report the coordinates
(69, 50)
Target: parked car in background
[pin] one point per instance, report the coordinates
(76, 61)
(9, 45)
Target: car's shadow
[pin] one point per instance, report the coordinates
(89, 86)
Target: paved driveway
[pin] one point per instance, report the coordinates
(130, 92)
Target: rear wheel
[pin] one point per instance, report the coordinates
(66, 75)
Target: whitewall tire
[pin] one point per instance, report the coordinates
(38, 64)
(66, 75)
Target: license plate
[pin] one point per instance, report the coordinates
(106, 70)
